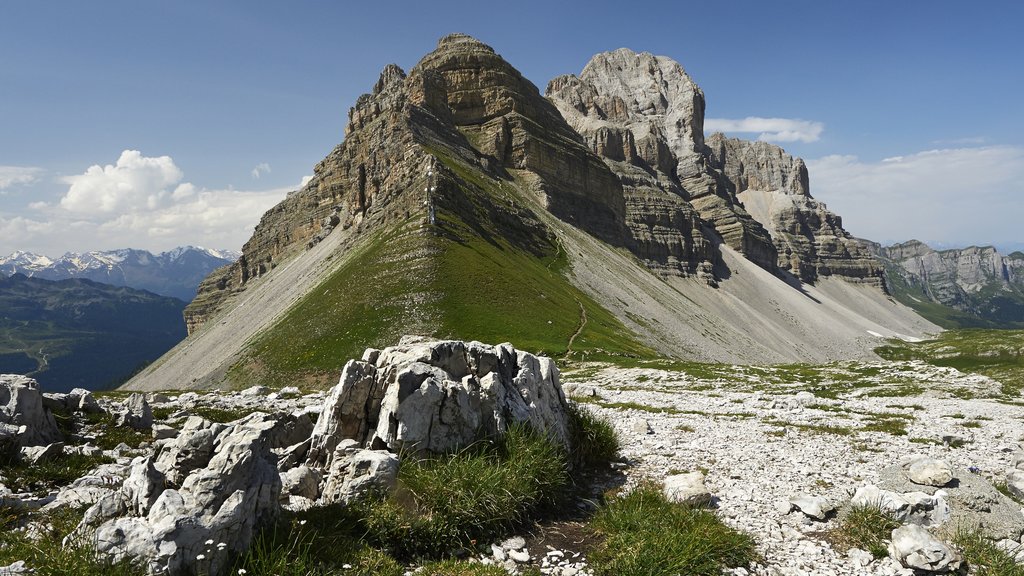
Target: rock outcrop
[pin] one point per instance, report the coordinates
(774, 188)
(424, 396)
(183, 515)
(24, 420)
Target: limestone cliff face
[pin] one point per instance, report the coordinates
(361, 183)
(504, 116)
(644, 111)
(775, 190)
(975, 280)
(951, 276)
(461, 100)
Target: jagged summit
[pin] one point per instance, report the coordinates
(464, 204)
(645, 110)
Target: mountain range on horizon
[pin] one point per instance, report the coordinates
(174, 273)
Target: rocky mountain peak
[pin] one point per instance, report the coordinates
(391, 74)
(645, 111)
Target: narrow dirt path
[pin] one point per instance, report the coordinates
(583, 323)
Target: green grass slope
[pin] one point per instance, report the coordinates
(486, 271)
(998, 354)
(79, 333)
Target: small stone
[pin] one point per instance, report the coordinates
(687, 488)
(513, 543)
(641, 426)
(498, 553)
(519, 556)
(929, 472)
(813, 506)
(162, 431)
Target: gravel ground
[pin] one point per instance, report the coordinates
(761, 438)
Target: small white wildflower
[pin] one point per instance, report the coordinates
(242, 571)
(208, 542)
(302, 522)
(346, 566)
(201, 557)
(221, 546)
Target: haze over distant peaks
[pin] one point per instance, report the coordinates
(175, 273)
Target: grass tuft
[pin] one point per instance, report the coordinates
(645, 534)
(982, 555)
(867, 527)
(43, 552)
(593, 439)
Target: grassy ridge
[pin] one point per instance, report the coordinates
(487, 271)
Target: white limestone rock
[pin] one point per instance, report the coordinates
(914, 547)
(930, 472)
(135, 413)
(813, 506)
(687, 488)
(355, 471)
(437, 397)
(21, 408)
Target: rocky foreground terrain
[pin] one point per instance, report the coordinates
(779, 452)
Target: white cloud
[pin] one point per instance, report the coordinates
(135, 182)
(769, 129)
(138, 202)
(18, 175)
(955, 195)
(260, 169)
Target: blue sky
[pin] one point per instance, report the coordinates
(151, 124)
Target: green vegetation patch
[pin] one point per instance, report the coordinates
(645, 534)
(983, 556)
(866, 527)
(998, 354)
(44, 553)
(40, 478)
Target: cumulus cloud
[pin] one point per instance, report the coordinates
(139, 202)
(768, 129)
(135, 182)
(11, 176)
(955, 195)
(260, 169)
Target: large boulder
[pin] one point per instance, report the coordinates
(135, 413)
(21, 406)
(423, 396)
(354, 472)
(224, 495)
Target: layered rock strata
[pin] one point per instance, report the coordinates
(774, 187)
(644, 111)
(977, 280)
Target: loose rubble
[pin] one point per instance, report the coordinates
(782, 464)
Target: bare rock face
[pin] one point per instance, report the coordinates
(187, 515)
(774, 187)
(437, 397)
(505, 117)
(644, 110)
(976, 280)
(24, 419)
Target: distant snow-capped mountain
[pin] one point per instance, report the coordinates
(176, 272)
